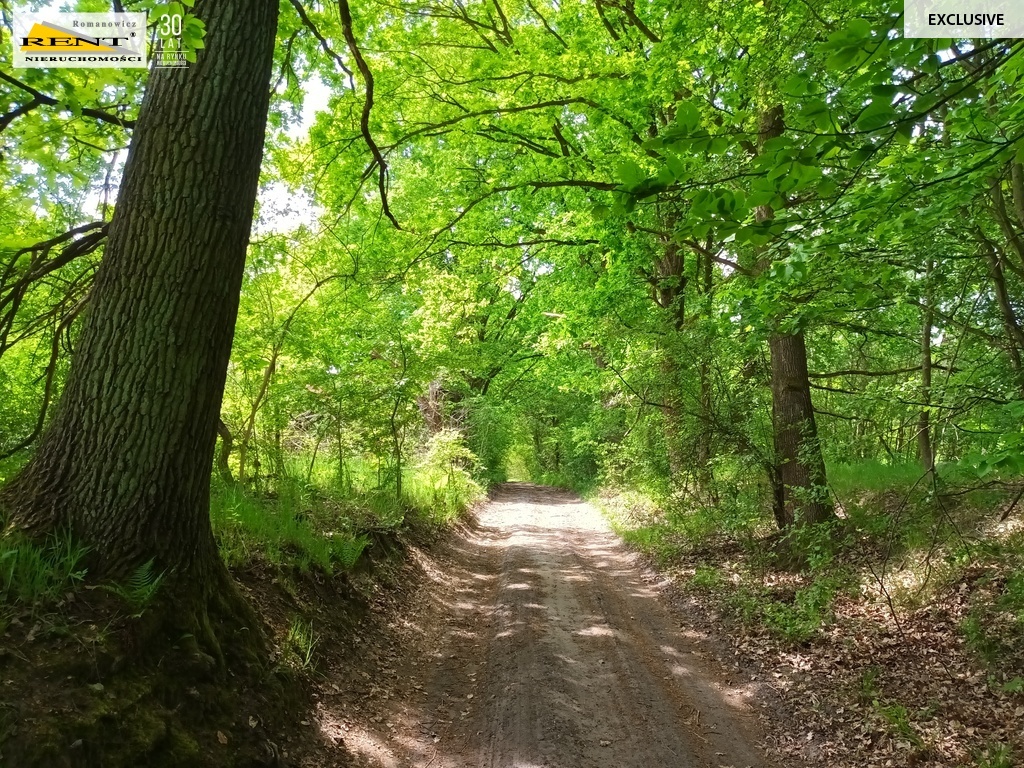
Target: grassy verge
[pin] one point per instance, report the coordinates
(315, 522)
(898, 632)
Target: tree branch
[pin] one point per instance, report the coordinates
(49, 101)
(304, 17)
(17, 112)
(364, 120)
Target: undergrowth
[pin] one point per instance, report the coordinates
(312, 518)
(305, 520)
(916, 587)
(279, 531)
(36, 576)
(900, 534)
(300, 644)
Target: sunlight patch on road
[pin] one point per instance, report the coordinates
(680, 671)
(368, 745)
(598, 631)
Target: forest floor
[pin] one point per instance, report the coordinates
(534, 637)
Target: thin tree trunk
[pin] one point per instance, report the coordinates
(706, 433)
(1006, 226)
(312, 462)
(799, 483)
(797, 451)
(226, 443)
(249, 427)
(125, 463)
(673, 420)
(668, 284)
(1014, 333)
(924, 430)
(341, 458)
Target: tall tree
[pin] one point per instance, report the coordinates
(125, 464)
(799, 466)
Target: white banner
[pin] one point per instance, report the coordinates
(45, 39)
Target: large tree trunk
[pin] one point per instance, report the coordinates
(801, 470)
(125, 465)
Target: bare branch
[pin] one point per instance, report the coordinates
(364, 120)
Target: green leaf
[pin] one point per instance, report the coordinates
(629, 172)
(687, 117)
(676, 167)
(858, 30)
(875, 116)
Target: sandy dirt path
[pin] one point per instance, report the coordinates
(543, 642)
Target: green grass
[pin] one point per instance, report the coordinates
(707, 577)
(280, 533)
(995, 756)
(873, 476)
(37, 576)
(667, 527)
(437, 500)
(311, 520)
(34, 574)
(796, 621)
(656, 541)
(300, 644)
(810, 610)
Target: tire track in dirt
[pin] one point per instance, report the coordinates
(542, 645)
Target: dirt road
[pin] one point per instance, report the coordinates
(544, 643)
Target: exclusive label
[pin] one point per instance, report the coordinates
(963, 18)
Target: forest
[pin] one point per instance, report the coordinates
(276, 324)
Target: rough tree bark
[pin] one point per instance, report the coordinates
(801, 469)
(125, 464)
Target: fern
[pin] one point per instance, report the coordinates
(140, 588)
(347, 550)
